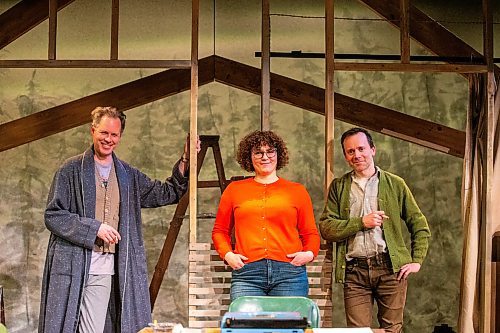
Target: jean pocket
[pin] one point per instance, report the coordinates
(288, 268)
(243, 268)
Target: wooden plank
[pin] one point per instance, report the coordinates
(2, 307)
(404, 18)
(415, 68)
(209, 279)
(208, 302)
(166, 64)
(208, 183)
(316, 292)
(24, 16)
(329, 94)
(216, 285)
(208, 291)
(426, 31)
(487, 316)
(265, 62)
(488, 48)
(52, 29)
(486, 228)
(495, 290)
(207, 313)
(200, 270)
(197, 268)
(200, 246)
(76, 113)
(322, 302)
(311, 269)
(203, 324)
(495, 294)
(221, 297)
(212, 258)
(193, 122)
(115, 22)
(348, 109)
(296, 93)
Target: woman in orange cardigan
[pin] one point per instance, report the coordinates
(273, 222)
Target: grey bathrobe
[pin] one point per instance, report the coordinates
(70, 216)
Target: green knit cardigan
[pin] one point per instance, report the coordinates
(396, 200)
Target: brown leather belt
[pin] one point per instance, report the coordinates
(379, 260)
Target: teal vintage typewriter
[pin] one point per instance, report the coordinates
(263, 322)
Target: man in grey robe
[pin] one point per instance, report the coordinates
(95, 277)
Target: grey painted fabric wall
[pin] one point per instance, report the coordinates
(156, 131)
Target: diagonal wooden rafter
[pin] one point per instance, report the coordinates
(24, 16)
(426, 30)
(348, 109)
(124, 97)
(283, 89)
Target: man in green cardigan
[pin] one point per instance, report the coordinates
(365, 214)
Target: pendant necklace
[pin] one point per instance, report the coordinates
(103, 181)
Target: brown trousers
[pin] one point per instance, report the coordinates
(372, 279)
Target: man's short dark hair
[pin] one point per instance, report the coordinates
(354, 131)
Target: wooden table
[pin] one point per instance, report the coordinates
(217, 330)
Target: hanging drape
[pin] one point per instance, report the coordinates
(473, 204)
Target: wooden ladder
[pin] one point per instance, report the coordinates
(207, 141)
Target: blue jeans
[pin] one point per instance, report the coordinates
(269, 278)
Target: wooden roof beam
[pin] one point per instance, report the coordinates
(286, 90)
(124, 97)
(348, 109)
(425, 30)
(24, 16)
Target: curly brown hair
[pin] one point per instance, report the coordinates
(257, 139)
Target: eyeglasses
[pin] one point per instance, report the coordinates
(260, 154)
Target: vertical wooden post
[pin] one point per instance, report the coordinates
(405, 30)
(486, 226)
(193, 130)
(265, 67)
(329, 92)
(52, 29)
(115, 20)
(487, 223)
(2, 307)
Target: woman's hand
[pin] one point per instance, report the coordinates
(235, 260)
(301, 258)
